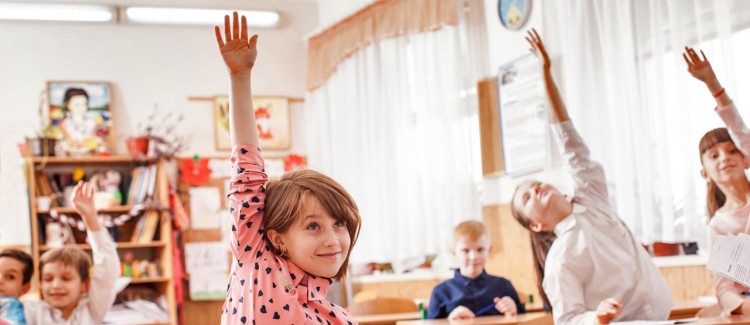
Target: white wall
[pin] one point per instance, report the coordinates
(333, 11)
(146, 65)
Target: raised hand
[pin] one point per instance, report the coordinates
(608, 310)
(537, 47)
(506, 305)
(698, 67)
(82, 200)
(238, 52)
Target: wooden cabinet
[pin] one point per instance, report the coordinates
(157, 249)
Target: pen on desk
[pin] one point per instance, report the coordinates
(485, 309)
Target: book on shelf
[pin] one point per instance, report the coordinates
(142, 184)
(145, 228)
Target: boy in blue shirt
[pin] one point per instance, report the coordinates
(16, 268)
(472, 292)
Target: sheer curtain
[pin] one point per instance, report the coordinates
(629, 93)
(394, 125)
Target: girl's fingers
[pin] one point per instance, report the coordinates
(243, 30)
(690, 64)
(227, 31)
(235, 25)
(217, 31)
(704, 56)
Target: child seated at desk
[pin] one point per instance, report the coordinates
(472, 292)
(16, 269)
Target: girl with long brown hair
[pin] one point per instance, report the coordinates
(594, 271)
(723, 154)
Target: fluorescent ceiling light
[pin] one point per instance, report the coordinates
(189, 16)
(56, 12)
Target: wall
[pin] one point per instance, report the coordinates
(147, 66)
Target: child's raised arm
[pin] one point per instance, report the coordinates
(106, 261)
(588, 175)
(239, 55)
(560, 114)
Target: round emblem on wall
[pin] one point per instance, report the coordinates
(513, 13)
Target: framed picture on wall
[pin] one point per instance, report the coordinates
(271, 114)
(80, 117)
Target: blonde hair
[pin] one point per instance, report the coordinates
(471, 230)
(285, 199)
(67, 256)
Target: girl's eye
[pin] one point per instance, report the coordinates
(313, 226)
(480, 250)
(340, 223)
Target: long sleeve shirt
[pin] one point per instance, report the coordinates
(474, 294)
(595, 256)
(93, 306)
(265, 288)
(729, 292)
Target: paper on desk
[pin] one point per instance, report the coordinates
(656, 322)
(730, 257)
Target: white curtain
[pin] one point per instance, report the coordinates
(395, 125)
(629, 94)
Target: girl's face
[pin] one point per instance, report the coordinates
(78, 105)
(724, 164)
(62, 286)
(542, 204)
(316, 242)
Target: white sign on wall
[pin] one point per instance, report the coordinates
(524, 123)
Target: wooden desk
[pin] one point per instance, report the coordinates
(686, 309)
(386, 319)
(523, 319)
(732, 320)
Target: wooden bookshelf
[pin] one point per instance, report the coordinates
(158, 250)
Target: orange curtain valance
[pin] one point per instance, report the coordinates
(380, 20)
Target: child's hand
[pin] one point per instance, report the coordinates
(537, 47)
(506, 305)
(460, 312)
(83, 201)
(238, 52)
(699, 68)
(607, 310)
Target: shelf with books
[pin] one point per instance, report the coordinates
(133, 213)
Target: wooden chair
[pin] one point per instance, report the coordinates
(364, 295)
(710, 311)
(382, 305)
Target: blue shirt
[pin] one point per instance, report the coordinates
(12, 310)
(474, 294)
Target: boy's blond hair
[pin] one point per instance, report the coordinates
(67, 256)
(471, 230)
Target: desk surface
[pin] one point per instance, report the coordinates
(731, 320)
(386, 319)
(526, 319)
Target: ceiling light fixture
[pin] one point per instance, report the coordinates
(56, 12)
(191, 16)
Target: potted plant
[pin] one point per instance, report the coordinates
(156, 135)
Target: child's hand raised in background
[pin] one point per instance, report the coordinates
(238, 52)
(699, 68)
(608, 310)
(459, 313)
(83, 201)
(506, 305)
(537, 47)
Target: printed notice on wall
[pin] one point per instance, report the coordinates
(523, 116)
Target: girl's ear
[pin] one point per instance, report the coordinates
(275, 238)
(85, 285)
(705, 175)
(535, 226)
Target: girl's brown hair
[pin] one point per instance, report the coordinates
(715, 198)
(68, 256)
(285, 199)
(540, 244)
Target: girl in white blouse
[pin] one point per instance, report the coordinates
(595, 271)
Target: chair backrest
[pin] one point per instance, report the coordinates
(382, 306)
(710, 311)
(365, 295)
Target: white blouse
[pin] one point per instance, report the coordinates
(595, 256)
